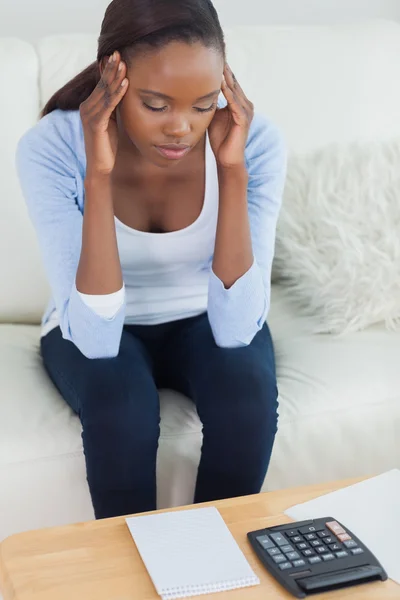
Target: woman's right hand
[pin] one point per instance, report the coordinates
(98, 120)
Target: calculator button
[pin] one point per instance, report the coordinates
(279, 539)
(308, 552)
(296, 539)
(323, 533)
(311, 529)
(285, 565)
(265, 542)
(302, 546)
(315, 543)
(299, 563)
(291, 532)
(273, 551)
(286, 549)
(322, 549)
(342, 554)
(314, 560)
(293, 555)
(329, 540)
(335, 527)
(328, 557)
(357, 551)
(350, 544)
(279, 558)
(310, 536)
(334, 547)
(344, 537)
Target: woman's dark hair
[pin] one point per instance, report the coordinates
(131, 25)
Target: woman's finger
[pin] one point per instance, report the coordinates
(119, 77)
(110, 90)
(236, 87)
(234, 105)
(107, 78)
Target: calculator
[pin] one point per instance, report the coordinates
(309, 557)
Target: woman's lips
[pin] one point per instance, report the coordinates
(173, 151)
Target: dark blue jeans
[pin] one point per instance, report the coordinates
(116, 399)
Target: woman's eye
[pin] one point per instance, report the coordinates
(164, 108)
(204, 110)
(153, 108)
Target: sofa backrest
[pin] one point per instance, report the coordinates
(320, 84)
(22, 282)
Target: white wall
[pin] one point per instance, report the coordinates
(33, 18)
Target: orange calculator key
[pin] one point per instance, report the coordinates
(335, 527)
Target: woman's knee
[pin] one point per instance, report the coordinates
(117, 399)
(255, 394)
(244, 386)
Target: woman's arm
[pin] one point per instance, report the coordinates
(46, 166)
(240, 280)
(233, 255)
(99, 270)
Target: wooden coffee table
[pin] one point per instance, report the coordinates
(99, 560)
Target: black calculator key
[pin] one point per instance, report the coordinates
(292, 555)
(273, 551)
(342, 554)
(308, 552)
(291, 532)
(265, 542)
(315, 543)
(279, 558)
(350, 544)
(314, 560)
(311, 529)
(296, 539)
(299, 563)
(334, 547)
(279, 539)
(286, 549)
(310, 536)
(323, 533)
(302, 546)
(330, 540)
(328, 557)
(285, 565)
(357, 551)
(322, 549)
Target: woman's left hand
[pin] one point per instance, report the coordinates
(230, 126)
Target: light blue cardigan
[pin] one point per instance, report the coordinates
(51, 164)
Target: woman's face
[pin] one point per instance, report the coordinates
(171, 100)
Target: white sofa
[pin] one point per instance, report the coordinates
(339, 397)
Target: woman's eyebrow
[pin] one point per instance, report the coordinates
(160, 95)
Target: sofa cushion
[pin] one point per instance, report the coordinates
(339, 400)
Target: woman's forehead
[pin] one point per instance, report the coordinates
(178, 59)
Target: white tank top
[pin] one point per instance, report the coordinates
(166, 274)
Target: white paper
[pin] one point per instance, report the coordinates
(371, 510)
(190, 552)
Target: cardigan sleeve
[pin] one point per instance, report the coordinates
(46, 166)
(238, 313)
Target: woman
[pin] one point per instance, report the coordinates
(155, 209)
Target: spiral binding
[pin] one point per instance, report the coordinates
(199, 590)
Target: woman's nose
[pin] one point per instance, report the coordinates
(178, 127)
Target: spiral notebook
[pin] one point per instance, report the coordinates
(190, 552)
